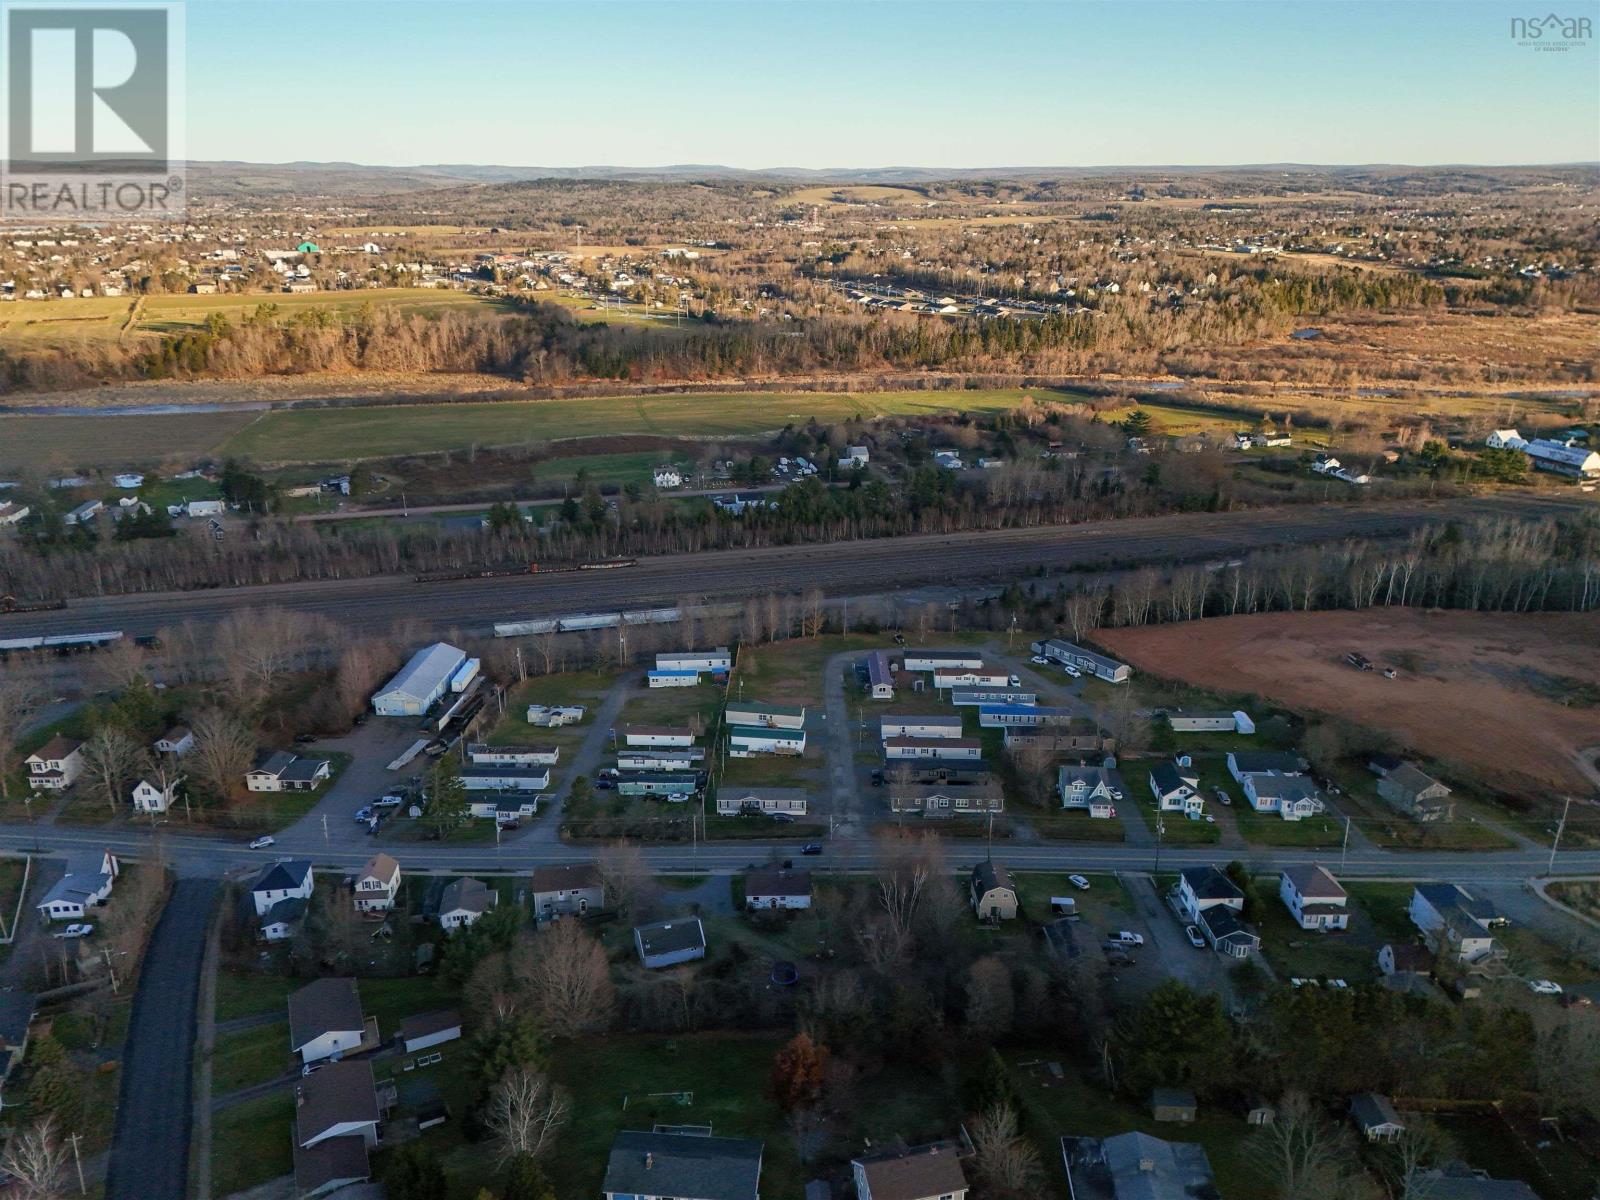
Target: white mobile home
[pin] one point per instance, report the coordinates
(669, 736)
(744, 741)
(938, 725)
(696, 660)
(1210, 722)
(770, 716)
(665, 679)
(956, 749)
(1086, 661)
(947, 679)
(940, 660)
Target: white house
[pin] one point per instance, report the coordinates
(854, 456)
(463, 901)
(669, 736)
(12, 512)
(1262, 762)
(280, 771)
(771, 716)
(481, 754)
(87, 882)
(56, 765)
(665, 679)
(325, 1020)
(426, 1030)
(1087, 787)
(1314, 898)
(660, 760)
(1176, 789)
(777, 887)
(744, 741)
(420, 682)
(1292, 797)
(880, 676)
(1453, 921)
(1210, 722)
(505, 779)
(1563, 459)
(958, 749)
(732, 801)
(286, 879)
(203, 508)
(155, 795)
(947, 678)
(1505, 439)
(1213, 903)
(1087, 661)
(177, 741)
(935, 725)
(940, 660)
(376, 887)
(924, 1173)
(667, 477)
(720, 659)
(84, 513)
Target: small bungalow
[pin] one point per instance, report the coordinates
(668, 943)
(993, 895)
(1375, 1117)
(777, 887)
(573, 889)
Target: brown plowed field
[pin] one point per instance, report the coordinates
(1478, 689)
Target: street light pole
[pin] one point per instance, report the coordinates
(1555, 843)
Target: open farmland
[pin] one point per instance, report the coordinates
(69, 442)
(1479, 692)
(373, 431)
(174, 314)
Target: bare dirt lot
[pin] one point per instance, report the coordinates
(1481, 689)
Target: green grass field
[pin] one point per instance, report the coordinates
(372, 431)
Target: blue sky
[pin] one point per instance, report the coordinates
(939, 83)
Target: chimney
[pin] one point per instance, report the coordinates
(649, 1160)
(1147, 1164)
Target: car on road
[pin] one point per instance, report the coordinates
(1071, 670)
(783, 818)
(1223, 797)
(1079, 882)
(1039, 660)
(76, 931)
(261, 843)
(811, 848)
(1544, 987)
(1196, 938)
(1125, 937)
(364, 813)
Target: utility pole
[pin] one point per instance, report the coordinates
(1561, 828)
(1345, 845)
(1160, 829)
(83, 1188)
(326, 840)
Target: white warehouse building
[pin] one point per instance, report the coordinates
(431, 672)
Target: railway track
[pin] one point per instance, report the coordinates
(839, 569)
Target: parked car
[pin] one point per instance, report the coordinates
(1071, 670)
(678, 798)
(1544, 987)
(304, 738)
(261, 843)
(605, 783)
(1079, 882)
(1223, 797)
(1039, 660)
(364, 813)
(1210, 820)
(811, 848)
(76, 931)
(1126, 938)
(608, 773)
(1196, 938)
(1016, 681)
(389, 801)
(1390, 673)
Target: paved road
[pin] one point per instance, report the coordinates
(839, 568)
(150, 1148)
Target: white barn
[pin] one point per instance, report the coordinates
(420, 682)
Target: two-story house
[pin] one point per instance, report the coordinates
(56, 765)
(1314, 898)
(1086, 787)
(924, 1173)
(1212, 902)
(378, 883)
(1453, 921)
(574, 889)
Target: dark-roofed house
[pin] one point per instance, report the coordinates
(777, 887)
(575, 888)
(430, 1029)
(1173, 1104)
(683, 1166)
(56, 765)
(1416, 793)
(993, 895)
(335, 1124)
(325, 1020)
(925, 1173)
(1263, 762)
(463, 901)
(17, 1010)
(286, 879)
(1458, 1181)
(280, 922)
(668, 943)
(1314, 898)
(1454, 921)
(87, 882)
(280, 771)
(1375, 1117)
(1136, 1166)
(1401, 958)
(1176, 789)
(1213, 902)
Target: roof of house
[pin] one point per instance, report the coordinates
(775, 795)
(379, 866)
(1136, 1166)
(1286, 789)
(679, 1164)
(466, 895)
(777, 881)
(17, 1010)
(1081, 773)
(657, 731)
(323, 1006)
(1165, 1097)
(568, 878)
(336, 1160)
(176, 734)
(1265, 762)
(1370, 1110)
(1314, 883)
(1225, 925)
(286, 874)
(303, 770)
(1208, 883)
(428, 670)
(904, 743)
(285, 912)
(989, 875)
(271, 762)
(55, 749)
(771, 710)
(1457, 1181)
(931, 720)
(1412, 779)
(913, 1174)
(671, 936)
(1169, 778)
(338, 1093)
(764, 731)
(1409, 957)
(426, 1024)
(1445, 896)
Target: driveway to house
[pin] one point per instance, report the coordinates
(150, 1146)
(843, 802)
(1166, 946)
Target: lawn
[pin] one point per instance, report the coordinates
(1070, 825)
(1036, 888)
(252, 1143)
(1384, 905)
(790, 672)
(244, 994)
(1294, 952)
(718, 1080)
(114, 440)
(250, 1056)
(377, 431)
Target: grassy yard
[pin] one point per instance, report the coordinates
(372, 431)
(1035, 889)
(250, 1056)
(244, 994)
(790, 672)
(1384, 905)
(1071, 825)
(1294, 952)
(252, 1143)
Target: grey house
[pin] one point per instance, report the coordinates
(668, 943)
(1416, 793)
(682, 1165)
(1374, 1115)
(1136, 1166)
(574, 889)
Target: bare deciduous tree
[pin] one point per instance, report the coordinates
(224, 748)
(36, 1161)
(1004, 1159)
(568, 981)
(17, 698)
(1304, 1152)
(526, 1112)
(110, 758)
(628, 882)
(991, 998)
